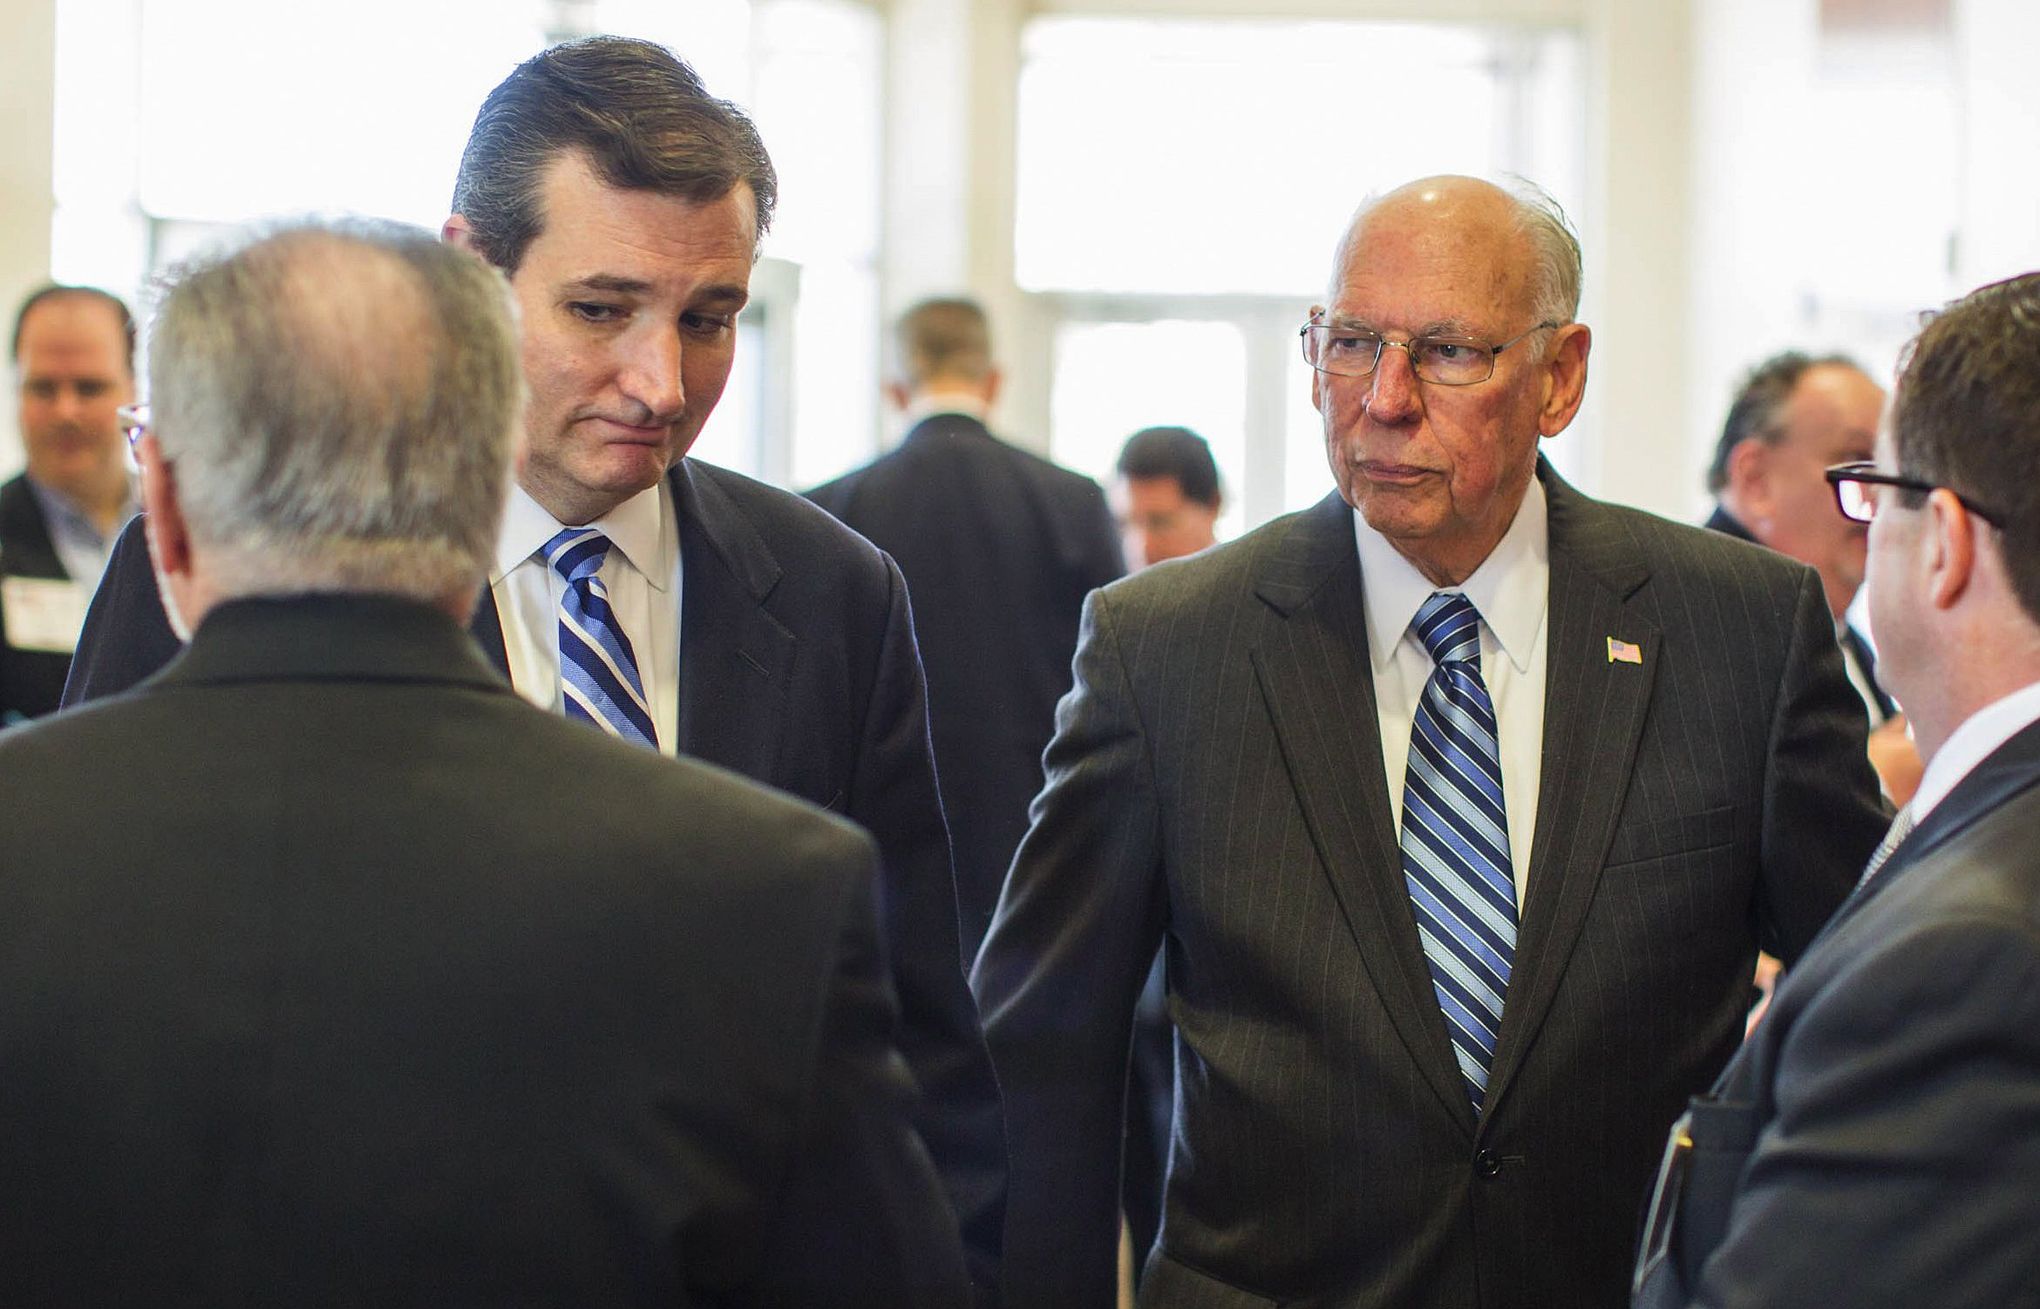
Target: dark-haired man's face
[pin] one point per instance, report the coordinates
(73, 373)
(630, 302)
(1157, 521)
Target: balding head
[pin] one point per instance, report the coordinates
(337, 404)
(1542, 263)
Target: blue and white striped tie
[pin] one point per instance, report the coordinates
(1455, 839)
(598, 672)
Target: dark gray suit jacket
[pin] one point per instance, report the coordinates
(799, 671)
(375, 985)
(31, 681)
(999, 548)
(1877, 1141)
(1216, 784)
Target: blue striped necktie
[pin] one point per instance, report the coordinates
(599, 678)
(1455, 839)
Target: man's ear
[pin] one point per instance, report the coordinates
(456, 231)
(1951, 546)
(994, 380)
(898, 394)
(168, 536)
(1565, 377)
(1748, 467)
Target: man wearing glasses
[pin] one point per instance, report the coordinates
(1460, 805)
(1878, 1139)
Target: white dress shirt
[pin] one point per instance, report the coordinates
(642, 572)
(1970, 744)
(1510, 589)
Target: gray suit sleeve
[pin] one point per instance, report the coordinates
(1902, 1164)
(1058, 976)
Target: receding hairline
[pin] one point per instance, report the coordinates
(1522, 212)
(118, 319)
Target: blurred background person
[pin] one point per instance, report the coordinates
(1165, 495)
(73, 358)
(999, 548)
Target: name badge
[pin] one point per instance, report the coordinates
(43, 613)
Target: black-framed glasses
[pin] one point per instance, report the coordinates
(1856, 492)
(134, 421)
(1443, 359)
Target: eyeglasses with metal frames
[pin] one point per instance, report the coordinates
(1857, 499)
(1444, 360)
(134, 422)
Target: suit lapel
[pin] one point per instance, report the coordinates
(1594, 712)
(736, 658)
(26, 549)
(1315, 675)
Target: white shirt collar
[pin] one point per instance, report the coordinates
(636, 527)
(1970, 744)
(947, 402)
(1506, 588)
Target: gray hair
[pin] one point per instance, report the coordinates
(339, 402)
(1555, 279)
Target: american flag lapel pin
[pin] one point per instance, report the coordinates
(1622, 652)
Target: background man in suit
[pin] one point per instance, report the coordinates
(1166, 495)
(379, 993)
(1793, 417)
(625, 204)
(1877, 1141)
(999, 547)
(1671, 774)
(74, 357)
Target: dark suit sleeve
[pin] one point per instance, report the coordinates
(1901, 1166)
(862, 1219)
(894, 796)
(1058, 976)
(1822, 815)
(126, 636)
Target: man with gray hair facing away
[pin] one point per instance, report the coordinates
(386, 987)
(1460, 805)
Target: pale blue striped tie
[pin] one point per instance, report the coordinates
(599, 677)
(1455, 839)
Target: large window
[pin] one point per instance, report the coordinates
(178, 120)
(1182, 184)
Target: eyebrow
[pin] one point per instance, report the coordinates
(612, 284)
(1437, 327)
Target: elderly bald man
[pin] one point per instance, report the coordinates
(1460, 805)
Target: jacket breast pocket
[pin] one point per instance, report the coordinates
(1637, 843)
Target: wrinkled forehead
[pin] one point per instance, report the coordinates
(1416, 267)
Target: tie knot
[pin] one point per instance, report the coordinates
(576, 553)
(1449, 627)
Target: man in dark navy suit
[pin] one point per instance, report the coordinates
(999, 547)
(625, 204)
(1877, 1140)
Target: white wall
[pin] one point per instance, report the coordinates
(28, 40)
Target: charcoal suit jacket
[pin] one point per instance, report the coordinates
(999, 548)
(379, 986)
(799, 670)
(31, 681)
(1216, 784)
(1877, 1141)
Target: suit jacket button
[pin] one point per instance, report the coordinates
(1487, 1163)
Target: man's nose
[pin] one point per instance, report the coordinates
(1392, 391)
(651, 374)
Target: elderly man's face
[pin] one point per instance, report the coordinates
(630, 302)
(1441, 470)
(74, 374)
